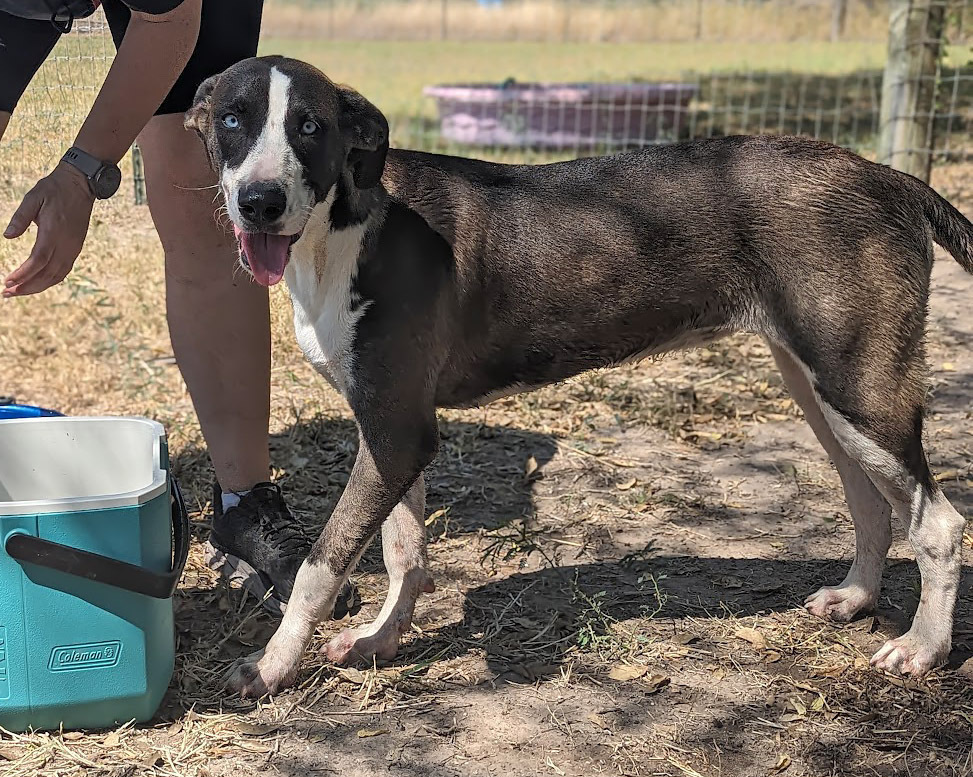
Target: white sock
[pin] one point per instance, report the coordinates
(232, 498)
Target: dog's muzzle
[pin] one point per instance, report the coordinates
(264, 250)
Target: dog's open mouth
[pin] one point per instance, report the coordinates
(265, 255)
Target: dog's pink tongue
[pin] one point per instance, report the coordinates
(266, 255)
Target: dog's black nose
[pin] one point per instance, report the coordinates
(262, 203)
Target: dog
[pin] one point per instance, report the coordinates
(421, 281)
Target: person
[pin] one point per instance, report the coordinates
(219, 323)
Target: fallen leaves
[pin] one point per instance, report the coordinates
(352, 675)
(599, 721)
(530, 469)
(752, 636)
(254, 729)
(436, 515)
(624, 672)
(366, 733)
(655, 681)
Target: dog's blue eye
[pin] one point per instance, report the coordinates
(230, 121)
(309, 127)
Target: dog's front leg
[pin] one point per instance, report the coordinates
(391, 456)
(404, 550)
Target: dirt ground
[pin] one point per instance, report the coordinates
(620, 563)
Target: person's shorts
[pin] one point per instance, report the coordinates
(229, 31)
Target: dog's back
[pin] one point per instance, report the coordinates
(666, 247)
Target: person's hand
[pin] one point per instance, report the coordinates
(60, 205)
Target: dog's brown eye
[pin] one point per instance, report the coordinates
(309, 127)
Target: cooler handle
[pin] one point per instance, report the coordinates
(110, 571)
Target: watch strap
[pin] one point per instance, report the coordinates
(83, 161)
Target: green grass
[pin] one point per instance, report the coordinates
(392, 74)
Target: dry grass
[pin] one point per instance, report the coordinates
(635, 612)
(560, 20)
(620, 561)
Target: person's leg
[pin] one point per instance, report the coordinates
(219, 322)
(218, 319)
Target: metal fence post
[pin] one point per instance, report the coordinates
(839, 17)
(138, 175)
(909, 86)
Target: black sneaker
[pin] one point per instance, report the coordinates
(260, 545)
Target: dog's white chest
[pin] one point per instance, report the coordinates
(320, 277)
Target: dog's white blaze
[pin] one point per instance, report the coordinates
(324, 320)
(272, 158)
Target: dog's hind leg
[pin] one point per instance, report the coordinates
(404, 550)
(870, 511)
(935, 531)
(873, 404)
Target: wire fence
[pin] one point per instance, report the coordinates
(911, 108)
(53, 108)
(920, 104)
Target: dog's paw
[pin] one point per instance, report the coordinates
(910, 654)
(259, 675)
(840, 602)
(362, 644)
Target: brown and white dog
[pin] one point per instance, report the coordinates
(421, 281)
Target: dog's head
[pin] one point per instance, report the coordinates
(280, 135)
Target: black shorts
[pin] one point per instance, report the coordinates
(229, 31)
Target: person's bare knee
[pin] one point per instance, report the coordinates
(185, 203)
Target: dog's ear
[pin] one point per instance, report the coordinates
(367, 133)
(199, 117)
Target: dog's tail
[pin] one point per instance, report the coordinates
(950, 228)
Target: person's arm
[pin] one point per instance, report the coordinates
(153, 53)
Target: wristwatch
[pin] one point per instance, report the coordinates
(103, 177)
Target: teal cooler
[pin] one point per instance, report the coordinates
(94, 539)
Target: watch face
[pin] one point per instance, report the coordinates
(106, 181)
